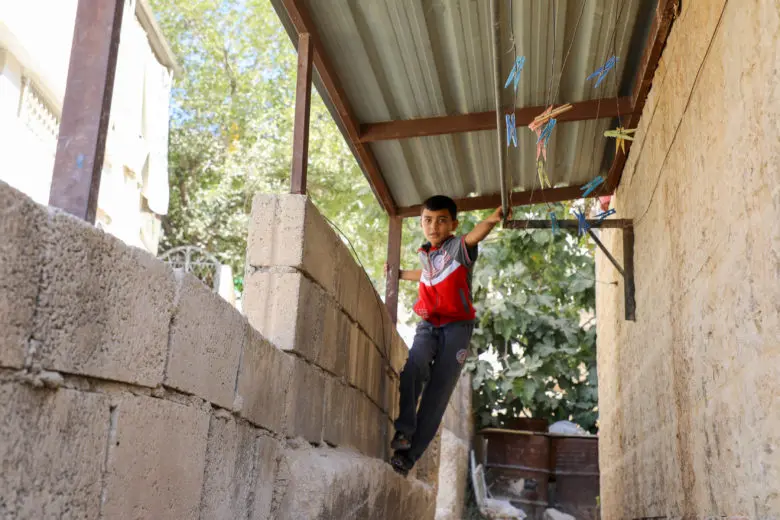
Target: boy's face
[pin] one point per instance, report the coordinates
(437, 225)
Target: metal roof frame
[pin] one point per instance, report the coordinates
(297, 20)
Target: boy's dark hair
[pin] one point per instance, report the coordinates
(440, 202)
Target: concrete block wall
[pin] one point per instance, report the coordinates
(454, 445)
(689, 393)
(306, 294)
(127, 391)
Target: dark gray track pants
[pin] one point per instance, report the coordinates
(435, 362)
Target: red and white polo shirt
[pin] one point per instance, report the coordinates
(445, 283)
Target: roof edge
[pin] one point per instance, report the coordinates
(157, 40)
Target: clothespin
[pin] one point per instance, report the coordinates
(542, 173)
(601, 73)
(511, 130)
(582, 222)
(548, 114)
(603, 216)
(544, 138)
(554, 223)
(621, 135)
(592, 185)
(514, 74)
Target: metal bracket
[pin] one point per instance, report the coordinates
(626, 270)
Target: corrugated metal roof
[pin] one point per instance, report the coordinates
(406, 59)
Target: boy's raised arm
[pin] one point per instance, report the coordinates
(483, 229)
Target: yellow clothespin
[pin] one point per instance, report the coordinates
(542, 173)
(548, 114)
(621, 135)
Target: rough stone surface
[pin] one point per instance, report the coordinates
(329, 483)
(52, 448)
(340, 412)
(398, 353)
(21, 251)
(263, 383)
(336, 336)
(207, 335)
(240, 470)
(370, 308)
(305, 402)
(360, 348)
(458, 416)
(104, 309)
(288, 309)
(348, 281)
(428, 465)
(156, 460)
(453, 477)
(689, 392)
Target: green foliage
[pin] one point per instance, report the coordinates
(231, 134)
(534, 295)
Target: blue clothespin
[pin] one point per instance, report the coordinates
(592, 185)
(517, 68)
(602, 216)
(511, 130)
(554, 223)
(546, 132)
(601, 73)
(582, 222)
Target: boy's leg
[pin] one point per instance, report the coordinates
(414, 375)
(447, 366)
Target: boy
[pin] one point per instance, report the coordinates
(441, 342)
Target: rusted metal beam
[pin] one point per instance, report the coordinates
(657, 36)
(300, 158)
(521, 198)
(393, 266)
(86, 108)
(628, 273)
(567, 224)
(405, 129)
(303, 24)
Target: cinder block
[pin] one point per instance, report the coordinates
(104, 309)
(288, 230)
(358, 358)
(21, 251)
(305, 402)
(391, 395)
(207, 335)
(288, 309)
(156, 460)
(369, 309)
(263, 382)
(399, 352)
(53, 447)
(241, 467)
(374, 375)
(348, 280)
(336, 336)
(339, 412)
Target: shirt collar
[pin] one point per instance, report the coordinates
(427, 247)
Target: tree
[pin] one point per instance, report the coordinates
(231, 134)
(534, 347)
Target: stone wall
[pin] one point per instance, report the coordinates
(127, 391)
(689, 394)
(457, 432)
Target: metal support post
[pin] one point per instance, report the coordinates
(87, 107)
(393, 266)
(302, 110)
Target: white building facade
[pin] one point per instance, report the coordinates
(35, 43)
